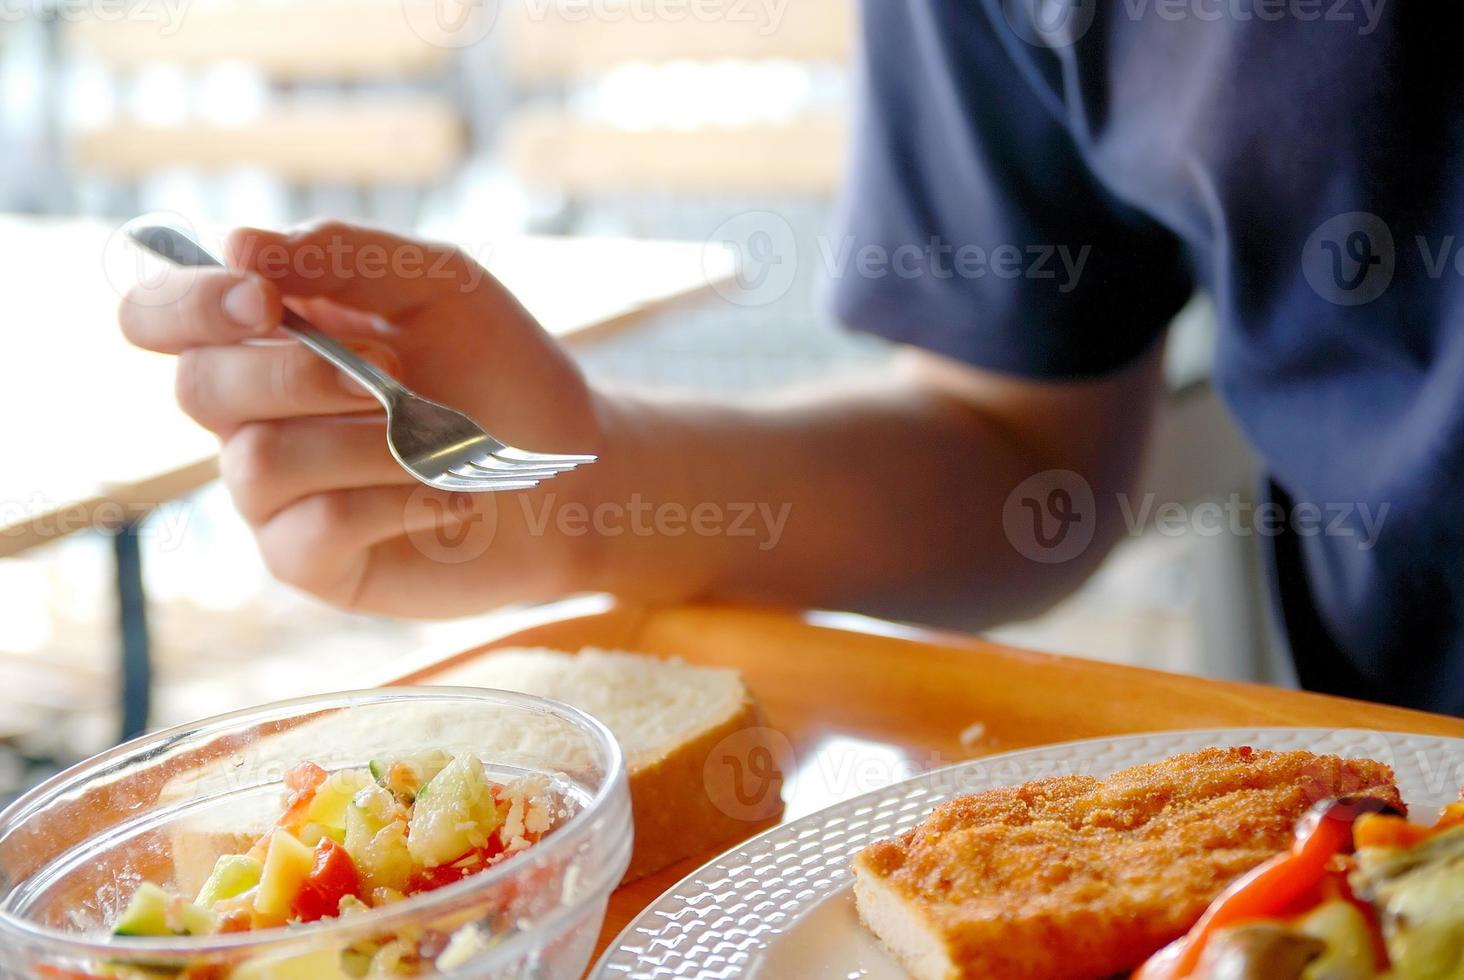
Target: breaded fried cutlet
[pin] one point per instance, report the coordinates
(1080, 877)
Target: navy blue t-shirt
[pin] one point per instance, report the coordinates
(1047, 190)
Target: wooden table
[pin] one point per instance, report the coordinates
(865, 702)
(93, 438)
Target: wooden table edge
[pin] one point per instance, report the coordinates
(624, 626)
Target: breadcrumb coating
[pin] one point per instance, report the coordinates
(1080, 877)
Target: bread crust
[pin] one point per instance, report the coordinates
(1078, 877)
(680, 801)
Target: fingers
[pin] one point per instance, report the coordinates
(225, 387)
(207, 306)
(269, 466)
(362, 268)
(323, 543)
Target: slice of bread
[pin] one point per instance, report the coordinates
(670, 718)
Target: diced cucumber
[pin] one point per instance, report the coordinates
(146, 913)
(454, 814)
(328, 807)
(378, 848)
(408, 776)
(322, 964)
(196, 920)
(286, 865)
(355, 963)
(361, 826)
(313, 833)
(233, 874)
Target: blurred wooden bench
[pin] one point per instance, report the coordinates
(290, 41)
(404, 141)
(549, 42)
(347, 132)
(549, 48)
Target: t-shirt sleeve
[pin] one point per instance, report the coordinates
(971, 225)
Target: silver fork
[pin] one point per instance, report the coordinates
(438, 445)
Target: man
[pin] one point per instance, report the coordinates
(1300, 165)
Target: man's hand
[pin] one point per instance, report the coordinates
(304, 449)
(884, 494)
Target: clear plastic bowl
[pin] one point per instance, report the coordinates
(163, 807)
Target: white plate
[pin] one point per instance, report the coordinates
(780, 906)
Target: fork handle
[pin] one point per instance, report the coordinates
(176, 247)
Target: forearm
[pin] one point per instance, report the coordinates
(884, 495)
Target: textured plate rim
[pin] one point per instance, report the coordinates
(609, 966)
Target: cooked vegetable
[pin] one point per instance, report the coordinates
(322, 964)
(1269, 890)
(405, 777)
(146, 913)
(331, 878)
(232, 875)
(1350, 944)
(454, 813)
(286, 866)
(1258, 951)
(327, 807)
(348, 842)
(1419, 893)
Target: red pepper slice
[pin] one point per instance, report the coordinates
(331, 879)
(1268, 890)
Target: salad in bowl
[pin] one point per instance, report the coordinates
(432, 832)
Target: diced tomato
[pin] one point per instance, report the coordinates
(331, 879)
(431, 879)
(303, 781)
(62, 973)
